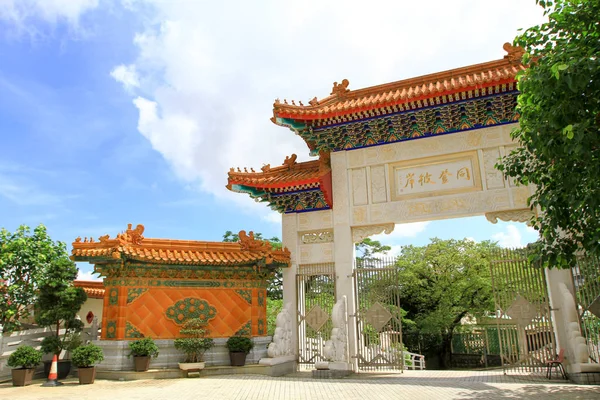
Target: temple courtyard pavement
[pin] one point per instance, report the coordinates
(412, 385)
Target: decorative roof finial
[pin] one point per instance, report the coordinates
(340, 89)
(515, 53)
(290, 161)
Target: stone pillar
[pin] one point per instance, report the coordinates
(290, 240)
(344, 246)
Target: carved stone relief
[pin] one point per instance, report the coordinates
(362, 232)
(466, 204)
(317, 237)
(493, 178)
(340, 187)
(426, 147)
(315, 220)
(523, 215)
(359, 215)
(316, 253)
(359, 186)
(378, 186)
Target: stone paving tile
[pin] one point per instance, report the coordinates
(413, 385)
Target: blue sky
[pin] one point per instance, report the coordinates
(131, 111)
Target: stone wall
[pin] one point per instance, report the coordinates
(116, 351)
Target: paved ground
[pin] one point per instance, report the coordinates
(437, 385)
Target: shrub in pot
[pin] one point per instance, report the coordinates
(85, 357)
(194, 345)
(56, 345)
(142, 350)
(24, 360)
(239, 347)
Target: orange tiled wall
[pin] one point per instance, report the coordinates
(135, 311)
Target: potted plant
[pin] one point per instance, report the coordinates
(54, 344)
(84, 357)
(57, 306)
(142, 350)
(24, 360)
(239, 347)
(194, 345)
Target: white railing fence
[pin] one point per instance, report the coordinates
(33, 337)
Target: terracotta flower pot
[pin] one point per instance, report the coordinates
(22, 376)
(87, 375)
(141, 363)
(238, 359)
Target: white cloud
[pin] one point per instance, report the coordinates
(402, 231)
(207, 72)
(87, 276)
(21, 12)
(127, 75)
(273, 217)
(510, 238)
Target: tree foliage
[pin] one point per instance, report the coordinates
(442, 283)
(368, 250)
(559, 131)
(275, 288)
(58, 303)
(25, 258)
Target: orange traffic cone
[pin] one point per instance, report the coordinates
(53, 375)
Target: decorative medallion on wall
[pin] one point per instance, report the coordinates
(261, 298)
(131, 332)
(113, 296)
(134, 293)
(245, 330)
(261, 326)
(191, 308)
(111, 329)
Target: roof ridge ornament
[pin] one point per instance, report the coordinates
(340, 89)
(515, 53)
(290, 161)
(133, 236)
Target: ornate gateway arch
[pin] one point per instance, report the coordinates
(420, 149)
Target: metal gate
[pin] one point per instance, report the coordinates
(586, 280)
(523, 315)
(315, 291)
(378, 315)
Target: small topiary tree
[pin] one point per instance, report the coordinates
(196, 344)
(143, 348)
(57, 306)
(239, 344)
(87, 356)
(25, 357)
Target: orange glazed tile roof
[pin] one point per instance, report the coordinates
(343, 101)
(133, 246)
(93, 289)
(289, 176)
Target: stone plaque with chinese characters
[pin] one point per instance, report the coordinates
(435, 176)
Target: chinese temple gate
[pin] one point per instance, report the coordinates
(153, 285)
(419, 149)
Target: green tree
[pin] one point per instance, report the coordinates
(369, 250)
(25, 258)
(442, 283)
(58, 303)
(275, 288)
(559, 130)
